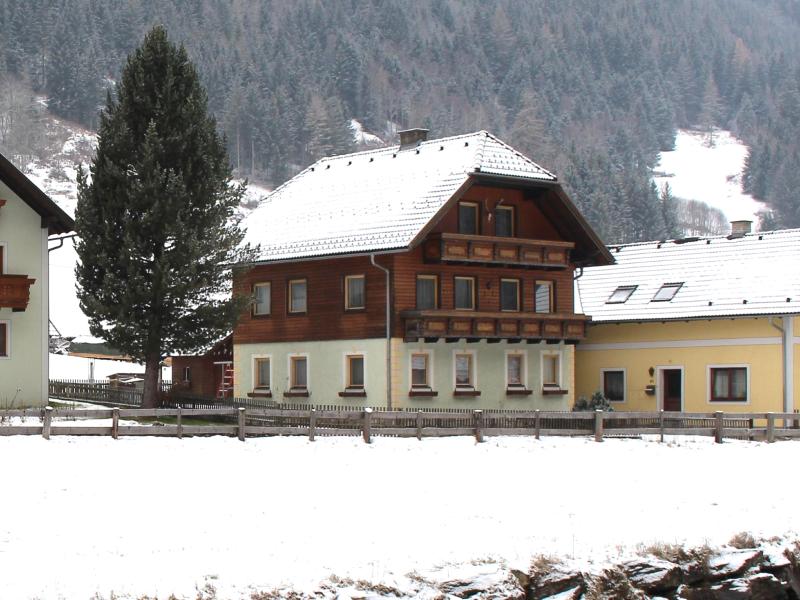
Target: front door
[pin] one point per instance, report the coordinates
(671, 384)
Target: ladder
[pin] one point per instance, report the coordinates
(226, 385)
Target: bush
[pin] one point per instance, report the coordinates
(598, 402)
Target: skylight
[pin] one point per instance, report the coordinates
(621, 294)
(667, 292)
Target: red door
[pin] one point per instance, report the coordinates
(671, 382)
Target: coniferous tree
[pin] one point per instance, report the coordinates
(155, 219)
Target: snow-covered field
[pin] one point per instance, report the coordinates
(159, 516)
(712, 175)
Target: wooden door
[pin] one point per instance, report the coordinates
(672, 386)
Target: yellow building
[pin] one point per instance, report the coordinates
(699, 325)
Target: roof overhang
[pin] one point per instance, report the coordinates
(716, 317)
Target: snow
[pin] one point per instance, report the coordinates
(360, 136)
(159, 516)
(712, 175)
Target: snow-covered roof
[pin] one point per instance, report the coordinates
(720, 277)
(376, 200)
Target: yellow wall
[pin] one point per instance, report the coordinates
(694, 346)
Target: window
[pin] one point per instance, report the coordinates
(420, 371)
(262, 305)
(728, 384)
(464, 293)
(464, 371)
(4, 340)
(621, 294)
(354, 292)
(298, 373)
(187, 374)
(509, 294)
(551, 371)
(2, 249)
(614, 385)
(515, 370)
(261, 373)
(543, 297)
(667, 292)
(468, 218)
(504, 221)
(297, 296)
(427, 292)
(355, 371)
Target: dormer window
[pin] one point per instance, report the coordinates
(667, 292)
(621, 294)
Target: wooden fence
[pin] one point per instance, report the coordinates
(313, 422)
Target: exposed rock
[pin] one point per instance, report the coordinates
(556, 581)
(498, 584)
(732, 563)
(765, 586)
(571, 594)
(653, 574)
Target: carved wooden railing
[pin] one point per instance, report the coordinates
(488, 325)
(15, 291)
(489, 250)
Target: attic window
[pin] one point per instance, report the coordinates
(621, 294)
(667, 292)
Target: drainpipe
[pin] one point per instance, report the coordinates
(388, 333)
(787, 355)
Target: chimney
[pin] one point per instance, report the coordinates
(740, 229)
(411, 138)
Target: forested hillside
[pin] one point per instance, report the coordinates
(591, 90)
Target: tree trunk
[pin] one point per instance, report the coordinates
(152, 367)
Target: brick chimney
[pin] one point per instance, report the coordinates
(740, 229)
(410, 138)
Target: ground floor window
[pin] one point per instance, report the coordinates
(515, 367)
(728, 384)
(614, 385)
(420, 371)
(355, 371)
(464, 371)
(262, 373)
(551, 372)
(298, 372)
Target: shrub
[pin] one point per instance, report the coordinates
(598, 402)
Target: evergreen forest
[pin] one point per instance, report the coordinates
(591, 90)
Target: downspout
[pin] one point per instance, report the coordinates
(787, 356)
(388, 333)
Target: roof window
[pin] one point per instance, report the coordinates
(621, 294)
(667, 292)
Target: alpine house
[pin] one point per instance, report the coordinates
(433, 273)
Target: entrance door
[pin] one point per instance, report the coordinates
(671, 384)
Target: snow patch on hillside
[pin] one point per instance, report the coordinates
(363, 137)
(712, 175)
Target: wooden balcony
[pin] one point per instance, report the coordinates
(456, 324)
(15, 291)
(499, 251)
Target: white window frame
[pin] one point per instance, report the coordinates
(711, 402)
(268, 285)
(347, 279)
(289, 358)
(411, 385)
(523, 373)
(552, 297)
(8, 340)
(624, 370)
(289, 296)
(473, 363)
(253, 372)
(558, 354)
(346, 371)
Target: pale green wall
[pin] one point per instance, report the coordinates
(25, 242)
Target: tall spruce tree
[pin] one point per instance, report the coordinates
(156, 236)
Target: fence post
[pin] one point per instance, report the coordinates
(718, 427)
(48, 418)
(242, 432)
(661, 423)
(598, 426)
(478, 418)
(419, 425)
(366, 425)
(115, 423)
(538, 423)
(312, 424)
(179, 422)
(770, 427)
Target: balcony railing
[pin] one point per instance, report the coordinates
(15, 291)
(456, 324)
(501, 251)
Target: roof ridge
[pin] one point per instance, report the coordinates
(721, 236)
(518, 153)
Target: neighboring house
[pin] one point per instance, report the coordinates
(207, 374)
(27, 218)
(700, 324)
(467, 247)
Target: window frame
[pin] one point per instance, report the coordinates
(3, 258)
(519, 294)
(187, 374)
(710, 369)
(435, 279)
(255, 358)
(558, 386)
(293, 387)
(552, 296)
(5, 340)
(289, 308)
(506, 208)
(624, 372)
(523, 371)
(674, 285)
(347, 279)
(622, 288)
(261, 284)
(428, 385)
(477, 211)
(474, 282)
(348, 374)
(473, 371)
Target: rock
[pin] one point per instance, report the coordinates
(571, 594)
(732, 563)
(731, 589)
(556, 581)
(499, 584)
(766, 586)
(653, 574)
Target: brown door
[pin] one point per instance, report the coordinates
(671, 384)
